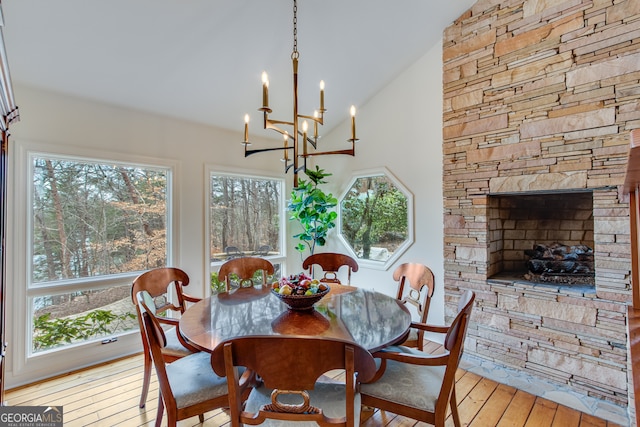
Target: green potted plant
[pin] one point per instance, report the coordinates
(313, 209)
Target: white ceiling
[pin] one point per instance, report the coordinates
(201, 60)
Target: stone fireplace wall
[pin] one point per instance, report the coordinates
(540, 95)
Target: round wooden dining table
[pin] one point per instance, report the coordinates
(370, 319)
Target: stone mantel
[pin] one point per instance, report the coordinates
(576, 180)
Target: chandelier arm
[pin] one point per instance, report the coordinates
(348, 152)
(315, 119)
(264, 150)
(311, 141)
(270, 123)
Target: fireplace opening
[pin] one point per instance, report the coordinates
(542, 237)
(561, 264)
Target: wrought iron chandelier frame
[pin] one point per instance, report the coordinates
(300, 131)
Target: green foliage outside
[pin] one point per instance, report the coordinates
(374, 213)
(92, 219)
(245, 213)
(312, 208)
(218, 286)
(50, 333)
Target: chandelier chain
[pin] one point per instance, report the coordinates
(295, 54)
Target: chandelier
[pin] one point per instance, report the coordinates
(303, 143)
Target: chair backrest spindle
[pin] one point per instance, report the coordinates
(245, 268)
(330, 262)
(420, 281)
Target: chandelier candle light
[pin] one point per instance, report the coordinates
(299, 132)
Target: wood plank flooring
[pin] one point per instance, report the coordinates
(107, 395)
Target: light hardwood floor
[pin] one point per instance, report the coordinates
(107, 395)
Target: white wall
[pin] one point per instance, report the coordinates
(401, 129)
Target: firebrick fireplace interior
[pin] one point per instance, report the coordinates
(520, 224)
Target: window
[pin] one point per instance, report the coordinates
(245, 219)
(376, 218)
(93, 226)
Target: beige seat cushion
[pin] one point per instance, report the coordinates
(412, 385)
(192, 380)
(174, 347)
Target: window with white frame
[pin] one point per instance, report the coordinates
(376, 218)
(94, 224)
(245, 215)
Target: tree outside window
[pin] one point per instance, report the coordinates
(245, 219)
(376, 219)
(91, 219)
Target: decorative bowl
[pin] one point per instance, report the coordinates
(301, 302)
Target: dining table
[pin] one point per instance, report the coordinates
(366, 317)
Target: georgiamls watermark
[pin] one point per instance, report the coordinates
(31, 416)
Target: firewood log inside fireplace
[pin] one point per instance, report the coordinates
(558, 258)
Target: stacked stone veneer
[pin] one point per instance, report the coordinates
(541, 95)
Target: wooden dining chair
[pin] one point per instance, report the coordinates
(160, 283)
(245, 268)
(330, 262)
(418, 385)
(289, 367)
(420, 281)
(188, 386)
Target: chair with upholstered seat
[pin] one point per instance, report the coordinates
(245, 268)
(290, 367)
(158, 283)
(188, 386)
(420, 281)
(330, 262)
(418, 385)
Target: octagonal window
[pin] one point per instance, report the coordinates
(376, 218)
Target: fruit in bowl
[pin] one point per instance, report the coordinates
(299, 291)
(298, 284)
